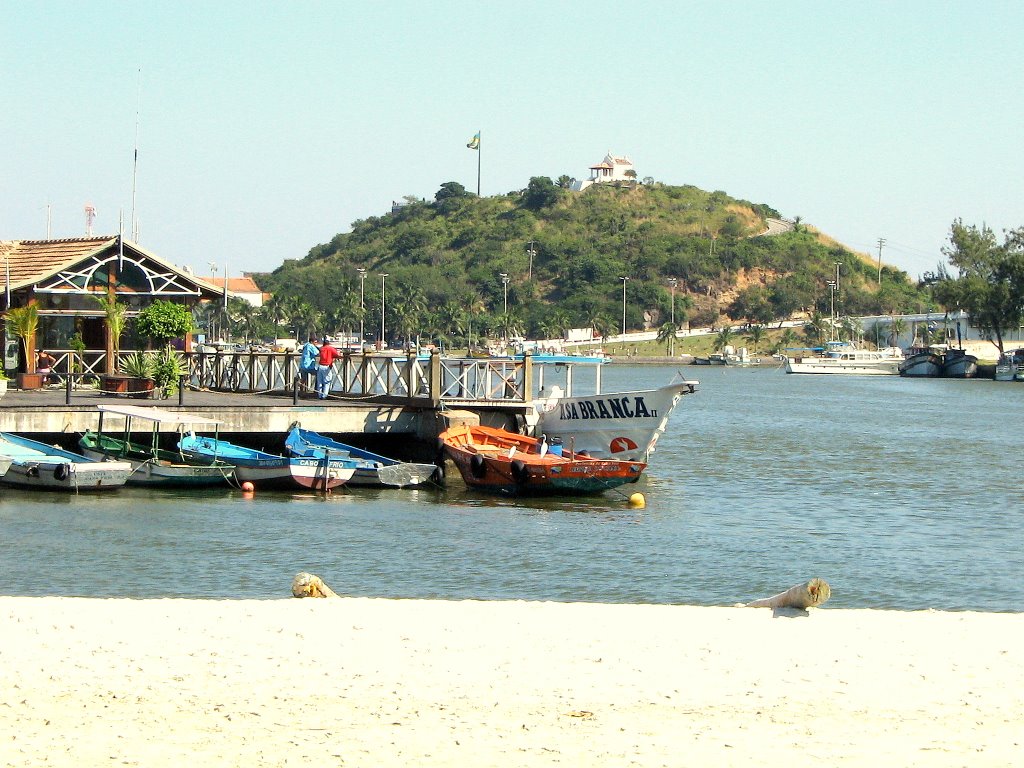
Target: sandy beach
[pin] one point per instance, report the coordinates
(372, 682)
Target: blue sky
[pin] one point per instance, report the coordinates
(267, 128)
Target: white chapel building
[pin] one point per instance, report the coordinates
(611, 169)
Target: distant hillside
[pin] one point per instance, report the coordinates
(565, 254)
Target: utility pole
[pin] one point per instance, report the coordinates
(533, 252)
(672, 342)
(623, 279)
(881, 242)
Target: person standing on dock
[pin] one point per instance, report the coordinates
(325, 372)
(309, 360)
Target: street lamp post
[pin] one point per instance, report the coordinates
(672, 340)
(504, 283)
(839, 296)
(383, 304)
(832, 311)
(362, 309)
(623, 279)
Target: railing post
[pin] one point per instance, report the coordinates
(527, 378)
(295, 390)
(435, 378)
(181, 389)
(67, 389)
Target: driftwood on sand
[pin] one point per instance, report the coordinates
(307, 585)
(810, 595)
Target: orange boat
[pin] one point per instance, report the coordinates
(504, 462)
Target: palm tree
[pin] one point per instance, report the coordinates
(787, 340)
(724, 338)
(117, 318)
(755, 334)
(667, 334)
(816, 329)
(897, 327)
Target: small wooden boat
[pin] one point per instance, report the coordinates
(504, 462)
(270, 470)
(152, 465)
(38, 465)
(372, 470)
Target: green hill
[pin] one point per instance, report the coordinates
(565, 254)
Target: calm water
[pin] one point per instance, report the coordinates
(900, 493)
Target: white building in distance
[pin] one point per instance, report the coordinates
(611, 169)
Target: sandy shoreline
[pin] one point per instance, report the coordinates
(372, 682)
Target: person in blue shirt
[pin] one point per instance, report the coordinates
(309, 359)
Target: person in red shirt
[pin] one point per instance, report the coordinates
(324, 371)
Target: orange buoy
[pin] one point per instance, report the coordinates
(248, 487)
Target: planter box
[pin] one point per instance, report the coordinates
(126, 386)
(29, 380)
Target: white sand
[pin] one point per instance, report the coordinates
(362, 682)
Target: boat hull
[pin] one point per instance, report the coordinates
(37, 465)
(158, 470)
(840, 367)
(925, 365)
(502, 462)
(624, 425)
(266, 470)
(371, 470)
(957, 365)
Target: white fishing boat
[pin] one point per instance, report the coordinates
(151, 464)
(840, 357)
(620, 425)
(38, 465)
(1010, 366)
(923, 362)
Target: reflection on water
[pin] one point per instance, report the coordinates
(900, 493)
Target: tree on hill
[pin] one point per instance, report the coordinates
(541, 192)
(991, 282)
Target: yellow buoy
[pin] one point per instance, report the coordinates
(637, 500)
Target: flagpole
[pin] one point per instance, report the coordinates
(479, 156)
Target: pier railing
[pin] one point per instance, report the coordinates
(427, 381)
(423, 380)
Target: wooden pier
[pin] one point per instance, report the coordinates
(396, 398)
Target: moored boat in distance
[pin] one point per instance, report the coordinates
(957, 364)
(151, 464)
(840, 357)
(372, 470)
(1010, 366)
(923, 362)
(38, 465)
(504, 462)
(270, 470)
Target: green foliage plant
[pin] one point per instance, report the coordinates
(164, 320)
(167, 369)
(23, 322)
(117, 318)
(138, 364)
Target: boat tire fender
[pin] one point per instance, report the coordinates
(519, 472)
(61, 472)
(477, 466)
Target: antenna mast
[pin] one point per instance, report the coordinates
(90, 217)
(135, 162)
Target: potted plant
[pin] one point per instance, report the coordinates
(168, 368)
(23, 322)
(117, 318)
(139, 369)
(163, 321)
